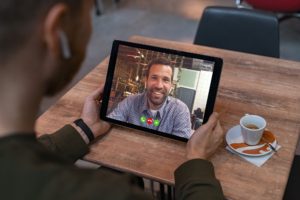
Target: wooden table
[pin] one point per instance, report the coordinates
(249, 84)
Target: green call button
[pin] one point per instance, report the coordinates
(156, 122)
(143, 119)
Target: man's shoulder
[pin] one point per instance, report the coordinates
(177, 102)
(134, 101)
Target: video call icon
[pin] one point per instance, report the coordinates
(143, 119)
(156, 122)
(149, 121)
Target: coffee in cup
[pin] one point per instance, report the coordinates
(252, 128)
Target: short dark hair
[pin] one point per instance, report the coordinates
(18, 19)
(159, 61)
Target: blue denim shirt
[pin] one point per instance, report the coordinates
(174, 115)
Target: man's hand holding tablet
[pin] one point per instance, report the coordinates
(206, 139)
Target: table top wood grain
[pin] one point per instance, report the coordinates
(249, 84)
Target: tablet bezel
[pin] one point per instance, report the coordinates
(110, 75)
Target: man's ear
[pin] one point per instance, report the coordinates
(53, 27)
(171, 90)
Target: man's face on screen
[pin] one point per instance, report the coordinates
(158, 84)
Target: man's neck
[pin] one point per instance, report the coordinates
(21, 94)
(155, 107)
(17, 113)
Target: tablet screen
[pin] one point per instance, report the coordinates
(161, 91)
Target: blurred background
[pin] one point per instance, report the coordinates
(165, 19)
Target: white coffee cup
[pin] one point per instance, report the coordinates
(252, 128)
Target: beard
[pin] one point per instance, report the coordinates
(157, 97)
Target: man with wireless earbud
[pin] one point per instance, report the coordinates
(42, 46)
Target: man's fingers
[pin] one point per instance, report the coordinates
(97, 94)
(219, 130)
(212, 121)
(215, 115)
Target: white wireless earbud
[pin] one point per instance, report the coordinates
(64, 44)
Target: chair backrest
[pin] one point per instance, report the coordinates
(239, 29)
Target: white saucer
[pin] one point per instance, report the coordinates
(235, 141)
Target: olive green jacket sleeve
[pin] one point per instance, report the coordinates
(29, 171)
(66, 142)
(195, 179)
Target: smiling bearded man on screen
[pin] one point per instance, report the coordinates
(155, 109)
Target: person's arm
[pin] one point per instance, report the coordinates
(121, 111)
(195, 179)
(70, 141)
(66, 142)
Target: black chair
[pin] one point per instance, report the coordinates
(99, 6)
(292, 188)
(239, 29)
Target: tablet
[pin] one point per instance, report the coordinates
(159, 90)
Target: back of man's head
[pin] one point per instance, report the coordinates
(20, 18)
